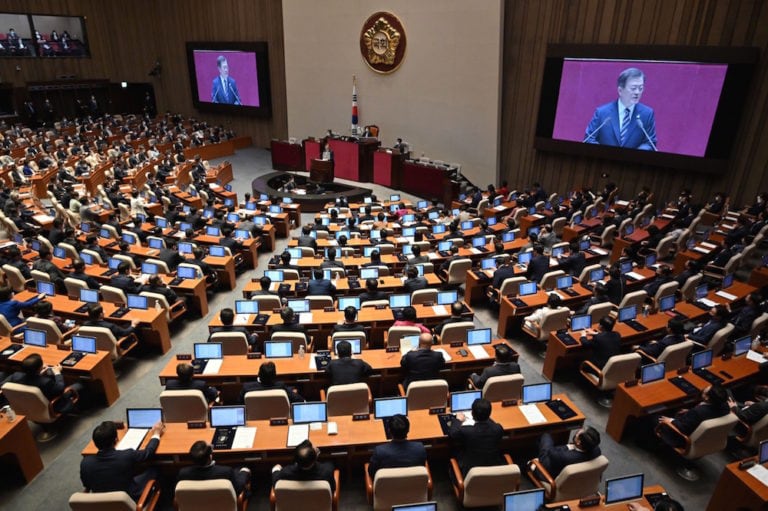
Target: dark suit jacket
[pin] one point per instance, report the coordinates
(251, 386)
(228, 95)
(378, 295)
(609, 134)
(396, 454)
(112, 470)
(555, 458)
(604, 346)
(689, 420)
(197, 473)
(117, 330)
(574, 264)
(318, 472)
(705, 334)
(92, 282)
(616, 289)
(496, 369)
(421, 365)
(321, 287)
(654, 349)
(50, 386)
(478, 444)
(415, 284)
(753, 413)
(126, 283)
(537, 268)
(501, 274)
(210, 393)
(342, 371)
(307, 241)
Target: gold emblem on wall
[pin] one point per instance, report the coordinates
(382, 42)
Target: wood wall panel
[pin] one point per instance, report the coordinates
(530, 25)
(126, 37)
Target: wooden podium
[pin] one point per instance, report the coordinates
(321, 171)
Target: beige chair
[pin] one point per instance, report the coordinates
(618, 369)
(309, 251)
(717, 342)
(6, 330)
(574, 482)
(557, 226)
(318, 302)
(156, 239)
(125, 258)
(673, 356)
(501, 388)
(74, 286)
(664, 248)
(600, 310)
(485, 486)
(511, 286)
(337, 273)
(717, 273)
(636, 298)
(95, 255)
(232, 343)
(584, 276)
(113, 295)
(116, 500)
(549, 280)
(395, 333)
(172, 310)
(347, 399)
(395, 486)
(421, 296)
(266, 404)
(40, 276)
(457, 272)
(29, 401)
(16, 280)
(297, 338)
(162, 267)
(292, 495)
(183, 406)
(425, 394)
(759, 324)
(349, 336)
(607, 237)
(374, 303)
(709, 437)
(267, 303)
(551, 322)
(688, 291)
(215, 494)
(106, 341)
(455, 332)
(52, 333)
(666, 289)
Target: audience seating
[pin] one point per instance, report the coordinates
(292, 495)
(347, 399)
(501, 388)
(30, 401)
(396, 486)
(211, 494)
(266, 404)
(425, 394)
(618, 369)
(183, 406)
(574, 482)
(485, 486)
(116, 500)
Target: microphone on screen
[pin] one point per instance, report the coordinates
(591, 135)
(640, 123)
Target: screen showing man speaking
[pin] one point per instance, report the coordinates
(227, 77)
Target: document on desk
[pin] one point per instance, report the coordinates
(406, 345)
(244, 436)
(708, 245)
(297, 433)
(760, 473)
(440, 310)
(312, 362)
(599, 251)
(701, 250)
(473, 250)
(532, 414)
(634, 275)
(478, 352)
(305, 318)
(132, 439)
(707, 302)
(727, 296)
(432, 255)
(756, 356)
(500, 207)
(444, 353)
(213, 366)
(242, 319)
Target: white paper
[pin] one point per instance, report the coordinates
(707, 302)
(333, 243)
(445, 354)
(634, 275)
(213, 366)
(539, 215)
(668, 217)
(401, 240)
(274, 286)
(708, 245)
(440, 310)
(760, 473)
(478, 352)
(532, 414)
(312, 362)
(553, 261)
(242, 319)
(406, 345)
(474, 250)
(727, 296)
(305, 318)
(297, 433)
(598, 250)
(244, 436)
(432, 255)
(132, 439)
(755, 356)
(500, 207)
(701, 250)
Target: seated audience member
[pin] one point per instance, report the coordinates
(417, 257)
(227, 317)
(330, 261)
(442, 271)
(78, 272)
(718, 318)
(124, 281)
(616, 286)
(345, 369)
(752, 411)
(478, 445)
(399, 452)
(554, 458)
(743, 318)
(112, 470)
(504, 270)
(663, 276)
(96, 318)
(320, 285)
(372, 292)
(267, 380)
(50, 382)
(422, 363)
(533, 321)
(264, 284)
(410, 319)
(605, 343)
(155, 284)
(665, 504)
(290, 322)
(599, 295)
(350, 323)
(45, 265)
(204, 468)
(574, 262)
(375, 259)
(285, 263)
(538, 266)
(714, 404)
(413, 281)
(44, 310)
(185, 381)
(14, 259)
(457, 308)
(197, 259)
(11, 308)
(305, 467)
(502, 365)
(675, 329)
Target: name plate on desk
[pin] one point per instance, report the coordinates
(278, 421)
(630, 383)
(329, 309)
(276, 311)
(64, 347)
(508, 402)
(380, 307)
(457, 344)
(361, 417)
(196, 425)
(252, 356)
(437, 410)
(392, 349)
(682, 370)
(183, 356)
(592, 501)
(119, 424)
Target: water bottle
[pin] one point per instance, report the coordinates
(301, 351)
(10, 414)
(158, 307)
(645, 311)
(756, 343)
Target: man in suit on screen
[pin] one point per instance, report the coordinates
(224, 89)
(625, 122)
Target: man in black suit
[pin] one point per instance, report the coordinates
(599, 295)
(538, 266)
(155, 284)
(124, 281)
(96, 318)
(663, 276)
(675, 330)
(691, 269)
(227, 317)
(422, 363)
(751, 412)
(234, 245)
(345, 369)
(170, 255)
(372, 292)
(456, 309)
(414, 282)
(264, 284)
(112, 470)
(605, 343)
(350, 322)
(49, 380)
(400, 452)
(320, 286)
(714, 404)
(305, 240)
(503, 365)
(616, 286)
(554, 458)
(290, 322)
(575, 262)
(718, 318)
(442, 271)
(417, 258)
(78, 272)
(504, 270)
(267, 380)
(205, 469)
(185, 381)
(197, 260)
(285, 263)
(331, 261)
(305, 467)
(479, 444)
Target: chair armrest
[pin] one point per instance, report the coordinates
(508, 459)
(335, 496)
(242, 497)
(272, 499)
(645, 355)
(18, 329)
(69, 332)
(676, 431)
(149, 496)
(742, 436)
(594, 370)
(401, 389)
(429, 479)
(368, 484)
(322, 395)
(471, 384)
(535, 465)
(459, 488)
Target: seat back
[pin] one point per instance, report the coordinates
(636, 298)
(717, 343)
(549, 280)
(553, 321)
(319, 301)
(427, 394)
(162, 267)
(52, 333)
(266, 404)
(759, 324)
(424, 296)
(154, 298)
(16, 280)
(113, 294)
(457, 271)
(297, 338)
(454, 332)
(486, 486)
(584, 277)
(385, 248)
(349, 336)
(710, 436)
(348, 399)
(395, 333)
(105, 340)
(557, 226)
(618, 369)
(291, 274)
(267, 302)
(29, 401)
(70, 250)
(666, 289)
(126, 258)
(664, 247)
(675, 355)
(757, 433)
(580, 479)
(183, 405)
(374, 303)
(689, 287)
(215, 494)
(107, 501)
(599, 310)
(511, 286)
(293, 495)
(606, 239)
(395, 486)
(501, 388)
(74, 286)
(38, 275)
(6, 330)
(232, 343)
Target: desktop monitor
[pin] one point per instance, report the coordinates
(701, 360)
(727, 281)
(217, 251)
(406, 220)
(398, 301)
(137, 302)
(259, 220)
(444, 246)
(650, 260)
(369, 273)
(422, 204)
(59, 253)
(596, 275)
(447, 297)
(537, 393)
(304, 413)
(577, 219)
(581, 322)
(558, 251)
(161, 222)
(367, 251)
(527, 288)
(357, 347)
(367, 200)
(650, 373)
(462, 401)
(86, 258)
(528, 500)
(295, 252)
(394, 197)
(35, 244)
(104, 233)
(375, 234)
(227, 416)
(250, 206)
(349, 301)
(565, 282)
(286, 200)
(524, 257)
(702, 291)
(407, 250)
(585, 244)
(627, 313)
(233, 217)
(433, 215)
(84, 344)
(763, 452)
(242, 234)
(742, 346)
(534, 230)
(156, 243)
(508, 236)
(85, 227)
(467, 225)
(620, 489)
(478, 241)
(389, 406)
(89, 295)
(212, 231)
(629, 229)
(492, 221)
(113, 263)
(408, 232)
(246, 307)
(208, 213)
(625, 267)
(149, 268)
(263, 197)
(35, 338)
(393, 208)
(438, 229)
(185, 248)
(299, 305)
(422, 506)
(278, 349)
(667, 303)
(186, 209)
(488, 264)
(346, 234)
(143, 418)
(46, 288)
(274, 275)
(478, 336)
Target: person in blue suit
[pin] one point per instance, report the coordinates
(224, 88)
(400, 452)
(625, 122)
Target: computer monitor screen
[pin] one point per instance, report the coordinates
(595, 275)
(447, 297)
(422, 204)
(246, 307)
(394, 197)
(667, 303)
(488, 264)
(374, 234)
(250, 206)
(59, 252)
(577, 219)
(295, 252)
(212, 230)
(565, 282)
(83, 344)
(408, 232)
(242, 234)
(407, 250)
(444, 246)
(650, 260)
(263, 197)
(149, 268)
(584, 244)
(161, 222)
(534, 230)
(274, 275)
(479, 336)
(433, 215)
(349, 301)
(185, 248)
(581, 322)
(89, 295)
(346, 234)
(367, 251)
(397, 301)
(113, 263)
(629, 229)
(558, 251)
(369, 273)
(701, 360)
(299, 305)
(423, 506)
(524, 257)
(529, 500)
(727, 281)
(259, 220)
(652, 372)
(87, 258)
(137, 302)
(34, 338)
(387, 407)
(104, 233)
(304, 413)
(46, 288)
(278, 349)
(35, 244)
(462, 401)
(143, 418)
(627, 313)
(624, 488)
(217, 251)
(763, 457)
(742, 346)
(85, 227)
(478, 241)
(528, 288)
(537, 393)
(467, 225)
(156, 243)
(357, 347)
(492, 221)
(208, 213)
(186, 272)
(406, 220)
(233, 217)
(702, 291)
(508, 236)
(625, 267)
(227, 416)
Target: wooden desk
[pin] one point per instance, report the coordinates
(16, 441)
(641, 400)
(225, 269)
(509, 312)
(250, 247)
(321, 171)
(428, 181)
(97, 368)
(759, 277)
(387, 284)
(353, 159)
(737, 489)
(574, 504)
(639, 235)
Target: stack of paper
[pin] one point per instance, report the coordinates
(297, 433)
(440, 310)
(727, 296)
(445, 354)
(244, 436)
(478, 352)
(532, 414)
(305, 318)
(213, 366)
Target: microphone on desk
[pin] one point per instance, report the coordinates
(591, 135)
(640, 123)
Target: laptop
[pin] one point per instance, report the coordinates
(369, 273)
(385, 408)
(212, 231)
(623, 489)
(185, 248)
(627, 316)
(88, 296)
(81, 346)
(742, 346)
(208, 357)
(529, 500)
(278, 349)
(217, 251)
(149, 268)
(447, 297)
(35, 338)
(508, 236)
(537, 393)
(112, 264)
(422, 506)
(476, 340)
(525, 289)
(700, 362)
(137, 302)
(581, 322)
(565, 284)
(349, 301)
(763, 452)
(156, 243)
(46, 288)
(650, 373)
(478, 243)
(86, 258)
(357, 346)
(274, 275)
(226, 420)
(139, 422)
(397, 303)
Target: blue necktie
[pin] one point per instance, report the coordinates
(624, 126)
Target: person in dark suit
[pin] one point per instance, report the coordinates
(718, 317)
(675, 330)
(554, 458)
(372, 292)
(49, 380)
(442, 271)
(330, 261)
(305, 467)
(45, 265)
(124, 281)
(414, 282)
(320, 286)
(575, 262)
(417, 258)
(224, 88)
(503, 365)
(538, 266)
(599, 295)
(663, 276)
(422, 363)
(616, 286)
(290, 322)
(478, 445)
(96, 318)
(691, 269)
(345, 369)
(185, 381)
(233, 244)
(400, 452)
(504, 270)
(752, 411)
(285, 263)
(605, 343)
(743, 318)
(305, 240)
(155, 284)
(78, 272)
(267, 380)
(112, 470)
(350, 323)
(264, 284)
(227, 317)
(714, 404)
(170, 255)
(625, 122)
(205, 469)
(457, 308)
(197, 260)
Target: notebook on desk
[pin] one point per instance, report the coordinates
(139, 421)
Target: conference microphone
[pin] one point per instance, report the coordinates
(640, 123)
(591, 135)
